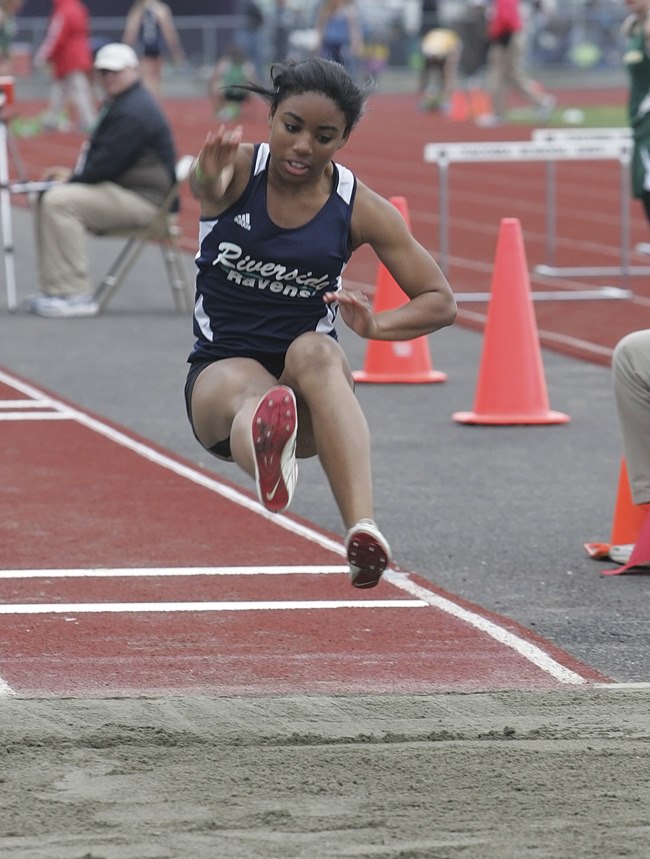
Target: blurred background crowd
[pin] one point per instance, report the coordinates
(578, 36)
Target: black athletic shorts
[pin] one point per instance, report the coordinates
(273, 362)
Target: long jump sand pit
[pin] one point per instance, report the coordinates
(543, 774)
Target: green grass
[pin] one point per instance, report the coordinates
(594, 116)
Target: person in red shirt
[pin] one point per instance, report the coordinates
(505, 64)
(66, 49)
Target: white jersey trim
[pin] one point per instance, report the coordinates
(345, 186)
(203, 320)
(262, 158)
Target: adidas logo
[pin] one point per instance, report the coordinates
(243, 221)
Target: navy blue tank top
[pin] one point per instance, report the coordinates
(151, 34)
(259, 286)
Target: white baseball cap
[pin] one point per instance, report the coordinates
(116, 57)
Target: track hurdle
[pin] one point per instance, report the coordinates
(590, 148)
(622, 135)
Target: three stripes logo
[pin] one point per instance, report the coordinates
(243, 220)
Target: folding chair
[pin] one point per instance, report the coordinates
(163, 230)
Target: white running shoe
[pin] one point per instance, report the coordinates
(63, 306)
(621, 554)
(274, 428)
(368, 553)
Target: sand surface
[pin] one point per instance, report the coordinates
(537, 774)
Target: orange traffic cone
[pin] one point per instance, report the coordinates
(459, 109)
(640, 558)
(627, 521)
(396, 361)
(511, 386)
(628, 516)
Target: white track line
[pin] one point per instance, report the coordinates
(529, 651)
(138, 607)
(37, 416)
(141, 572)
(23, 404)
(178, 468)
(525, 649)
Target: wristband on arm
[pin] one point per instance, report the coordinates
(222, 178)
(202, 177)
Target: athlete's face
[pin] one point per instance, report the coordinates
(306, 131)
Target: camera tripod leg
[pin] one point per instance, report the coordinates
(5, 220)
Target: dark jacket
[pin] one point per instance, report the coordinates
(132, 146)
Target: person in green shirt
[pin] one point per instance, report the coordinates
(233, 71)
(636, 57)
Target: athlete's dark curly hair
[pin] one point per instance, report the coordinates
(315, 75)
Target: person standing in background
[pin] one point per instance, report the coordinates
(440, 50)
(505, 64)
(225, 84)
(636, 58)
(8, 11)
(250, 36)
(66, 48)
(429, 17)
(339, 31)
(282, 27)
(150, 25)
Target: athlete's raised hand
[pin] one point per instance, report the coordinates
(219, 150)
(215, 164)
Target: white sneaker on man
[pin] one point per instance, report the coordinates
(63, 306)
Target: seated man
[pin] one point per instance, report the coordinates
(122, 176)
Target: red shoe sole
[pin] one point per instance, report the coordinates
(274, 428)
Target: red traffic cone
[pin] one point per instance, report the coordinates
(640, 558)
(396, 361)
(511, 386)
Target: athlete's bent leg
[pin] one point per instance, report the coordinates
(318, 371)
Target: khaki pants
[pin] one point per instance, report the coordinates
(631, 368)
(63, 216)
(505, 71)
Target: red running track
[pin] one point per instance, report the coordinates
(125, 570)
